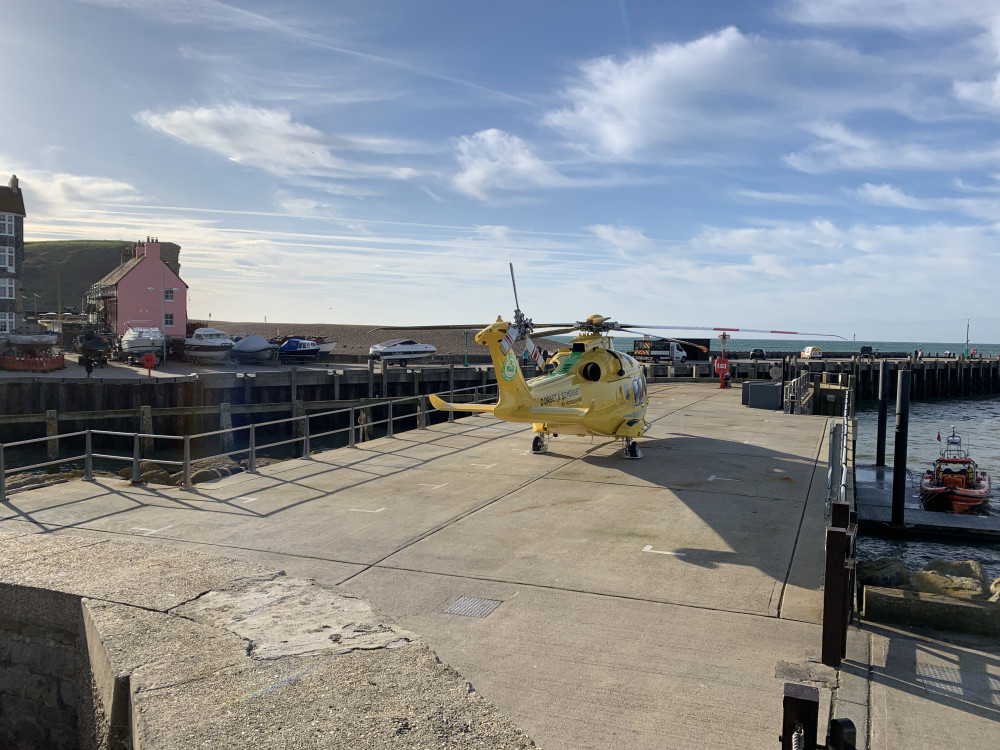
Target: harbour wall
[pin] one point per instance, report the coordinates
(39, 406)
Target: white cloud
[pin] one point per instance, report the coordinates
(624, 240)
(843, 149)
(621, 107)
(270, 140)
(900, 15)
(889, 195)
(493, 161)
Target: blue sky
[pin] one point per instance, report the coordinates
(816, 165)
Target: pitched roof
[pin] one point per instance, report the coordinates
(11, 201)
(119, 273)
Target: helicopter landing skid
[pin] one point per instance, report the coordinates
(540, 443)
(630, 448)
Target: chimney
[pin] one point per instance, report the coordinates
(13, 184)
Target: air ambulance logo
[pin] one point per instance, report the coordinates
(509, 370)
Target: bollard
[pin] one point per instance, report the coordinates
(800, 716)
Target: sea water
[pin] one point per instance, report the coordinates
(977, 421)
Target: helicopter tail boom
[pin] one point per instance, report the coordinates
(443, 405)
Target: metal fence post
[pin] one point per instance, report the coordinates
(135, 459)
(186, 477)
(388, 421)
(422, 413)
(252, 457)
(305, 436)
(350, 438)
(88, 460)
(3, 477)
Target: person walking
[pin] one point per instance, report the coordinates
(88, 365)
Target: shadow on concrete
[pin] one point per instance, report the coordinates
(962, 673)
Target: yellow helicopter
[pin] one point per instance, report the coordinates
(586, 387)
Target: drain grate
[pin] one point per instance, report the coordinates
(470, 606)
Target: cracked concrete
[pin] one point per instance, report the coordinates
(193, 650)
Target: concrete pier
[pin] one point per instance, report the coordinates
(596, 602)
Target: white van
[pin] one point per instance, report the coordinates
(812, 352)
(654, 350)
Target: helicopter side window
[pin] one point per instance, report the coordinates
(638, 388)
(591, 371)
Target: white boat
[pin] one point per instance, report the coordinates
(400, 351)
(141, 337)
(208, 343)
(253, 348)
(30, 341)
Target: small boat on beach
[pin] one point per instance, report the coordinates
(955, 483)
(207, 344)
(253, 348)
(94, 345)
(298, 350)
(400, 351)
(33, 341)
(140, 337)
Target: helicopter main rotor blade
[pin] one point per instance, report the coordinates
(740, 330)
(445, 327)
(517, 305)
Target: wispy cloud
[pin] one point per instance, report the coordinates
(270, 140)
(842, 149)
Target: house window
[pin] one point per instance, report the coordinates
(6, 322)
(6, 288)
(7, 224)
(7, 258)
(168, 295)
(168, 320)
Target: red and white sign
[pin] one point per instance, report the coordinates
(721, 366)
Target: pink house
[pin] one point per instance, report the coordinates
(143, 290)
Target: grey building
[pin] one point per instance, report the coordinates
(11, 255)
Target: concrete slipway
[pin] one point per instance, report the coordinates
(660, 603)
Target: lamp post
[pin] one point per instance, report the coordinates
(36, 295)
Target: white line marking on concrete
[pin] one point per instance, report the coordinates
(150, 532)
(360, 510)
(484, 466)
(649, 548)
(246, 499)
(433, 486)
(714, 478)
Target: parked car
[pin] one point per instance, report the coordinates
(866, 351)
(812, 352)
(757, 354)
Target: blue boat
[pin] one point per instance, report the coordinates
(298, 350)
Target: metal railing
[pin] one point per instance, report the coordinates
(798, 393)
(363, 421)
(840, 575)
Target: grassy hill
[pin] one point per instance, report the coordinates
(66, 269)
